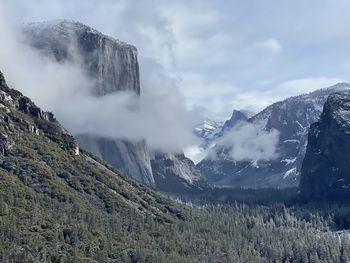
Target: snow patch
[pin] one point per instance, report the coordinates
(290, 172)
(289, 161)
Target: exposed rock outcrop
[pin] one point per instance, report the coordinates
(41, 122)
(133, 158)
(236, 117)
(325, 173)
(174, 173)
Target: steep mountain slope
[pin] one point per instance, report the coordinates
(61, 205)
(325, 173)
(57, 203)
(291, 118)
(113, 66)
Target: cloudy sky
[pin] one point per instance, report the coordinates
(224, 55)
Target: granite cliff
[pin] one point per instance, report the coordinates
(111, 63)
(325, 172)
(113, 66)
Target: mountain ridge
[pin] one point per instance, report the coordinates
(292, 118)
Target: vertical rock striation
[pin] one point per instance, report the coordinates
(133, 158)
(111, 63)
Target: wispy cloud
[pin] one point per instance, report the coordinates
(249, 142)
(239, 44)
(159, 116)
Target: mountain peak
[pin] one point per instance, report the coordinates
(341, 86)
(237, 116)
(208, 129)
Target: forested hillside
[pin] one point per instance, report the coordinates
(61, 205)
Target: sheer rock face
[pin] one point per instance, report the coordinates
(110, 62)
(325, 173)
(292, 119)
(133, 158)
(175, 173)
(237, 116)
(113, 65)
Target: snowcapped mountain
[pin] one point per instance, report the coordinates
(291, 118)
(208, 129)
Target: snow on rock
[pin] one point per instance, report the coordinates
(290, 172)
(208, 129)
(292, 118)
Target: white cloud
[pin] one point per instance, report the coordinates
(160, 115)
(208, 94)
(248, 142)
(229, 46)
(196, 153)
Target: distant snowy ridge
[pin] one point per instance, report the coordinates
(292, 118)
(208, 129)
